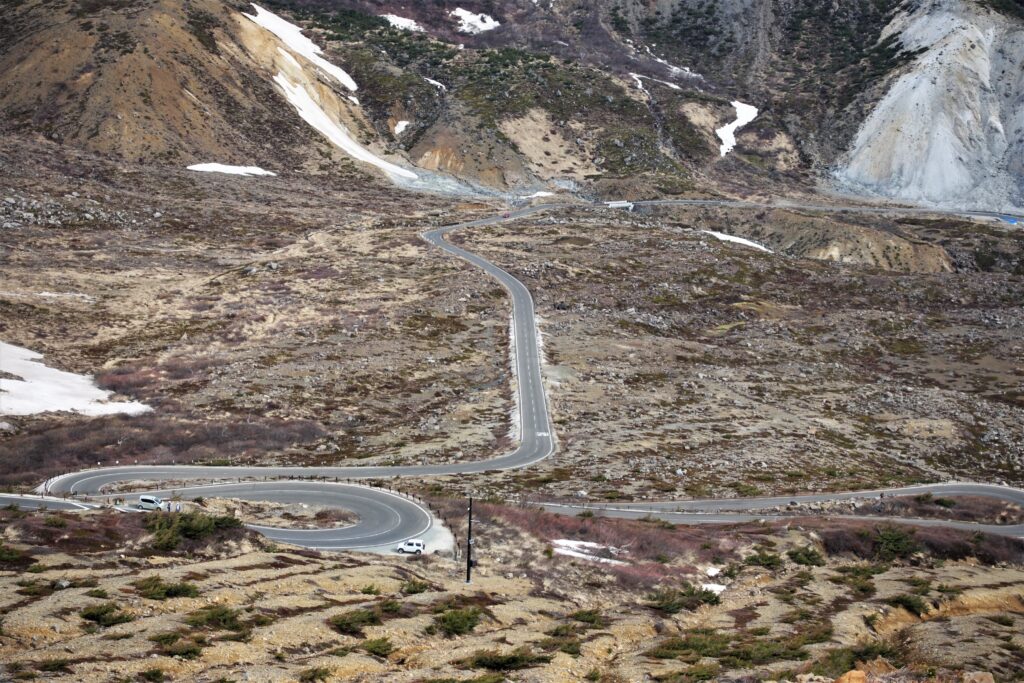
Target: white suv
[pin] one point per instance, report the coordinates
(414, 546)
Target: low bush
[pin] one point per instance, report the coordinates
(914, 604)
(415, 586)
(170, 529)
(351, 623)
(674, 600)
(763, 559)
(379, 647)
(835, 663)
(54, 666)
(313, 674)
(806, 556)
(153, 675)
(691, 647)
(590, 617)
(457, 622)
(520, 658)
(216, 618)
(105, 615)
(154, 588)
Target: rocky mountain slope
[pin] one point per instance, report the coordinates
(916, 101)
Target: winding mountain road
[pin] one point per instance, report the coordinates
(385, 519)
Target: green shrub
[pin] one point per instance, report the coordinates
(458, 622)
(379, 647)
(591, 617)
(154, 588)
(97, 593)
(54, 666)
(893, 542)
(694, 645)
(216, 618)
(914, 604)
(9, 555)
(806, 556)
(105, 615)
(371, 589)
(351, 623)
(520, 658)
(154, 675)
(55, 521)
(415, 586)
(169, 529)
(316, 673)
(763, 559)
(858, 577)
(835, 663)
(673, 600)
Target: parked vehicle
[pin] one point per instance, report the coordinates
(414, 546)
(150, 503)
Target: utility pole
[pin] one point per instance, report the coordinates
(469, 544)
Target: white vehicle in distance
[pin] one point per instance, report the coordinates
(414, 546)
(150, 503)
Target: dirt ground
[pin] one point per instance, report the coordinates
(274, 613)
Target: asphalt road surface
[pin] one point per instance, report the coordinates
(386, 519)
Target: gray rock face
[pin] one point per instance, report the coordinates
(950, 129)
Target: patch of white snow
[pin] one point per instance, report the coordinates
(231, 170)
(315, 116)
(471, 22)
(715, 588)
(737, 240)
(41, 389)
(403, 23)
(745, 113)
(436, 84)
(584, 550)
(400, 127)
(291, 35)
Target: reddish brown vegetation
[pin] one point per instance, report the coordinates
(886, 542)
(48, 447)
(966, 508)
(73, 532)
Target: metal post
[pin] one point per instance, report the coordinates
(469, 544)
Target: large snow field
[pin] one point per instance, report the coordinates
(41, 389)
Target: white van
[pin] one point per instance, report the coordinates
(414, 546)
(150, 503)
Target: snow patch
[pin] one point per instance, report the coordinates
(316, 117)
(471, 22)
(715, 588)
(437, 84)
(535, 195)
(400, 127)
(403, 23)
(232, 170)
(737, 240)
(745, 113)
(41, 389)
(713, 571)
(291, 35)
(585, 550)
(515, 418)
(640, 84)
